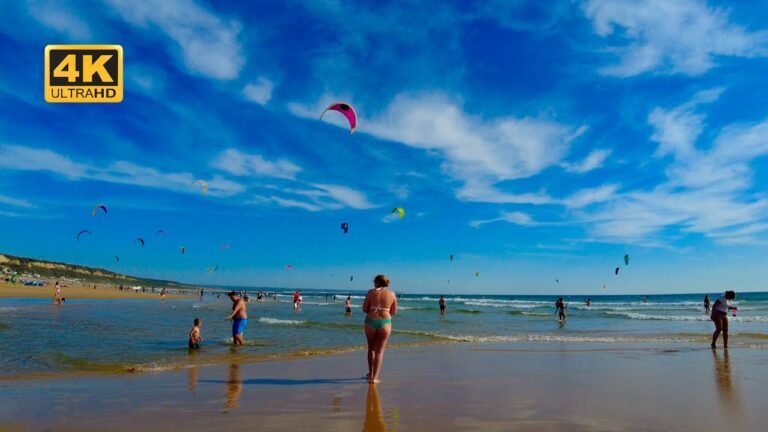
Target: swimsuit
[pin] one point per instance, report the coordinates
(194, 345)
(376, 324)
(238, 325)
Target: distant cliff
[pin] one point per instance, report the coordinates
(57, 270)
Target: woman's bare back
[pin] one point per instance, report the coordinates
(380, 303)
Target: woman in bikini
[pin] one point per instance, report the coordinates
(379, 306)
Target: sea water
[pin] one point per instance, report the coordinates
(38, 338)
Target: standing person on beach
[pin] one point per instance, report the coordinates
(720, 316)
(441, 302)
(296, 299)
(560, 308)
(194, 335)
(57, 294)
(706, 303)
(201, 295)
(239, 317)
(162, 294)
(380, 305)
(348, 307)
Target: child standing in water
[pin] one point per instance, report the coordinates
(719, 316)
(348, 307)
(560, 308)
(194, 335)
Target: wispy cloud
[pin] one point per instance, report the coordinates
(586, 197)
(318, 197)
(260, 91)
(594, 160)
(237, 163)
(480, 152)
(21, 158)
(708, 191)
(15, 202)
(677, 130)
(516, 218)
(682, 36)
(209, 45)
(54, 15)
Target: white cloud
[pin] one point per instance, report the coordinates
(15, 202)
(708, 191)
(260, 91)
(54, 15)
(345, 196)
(593, 161)
(479, 152)
(478, 191)
(319, 197)
(401, 191)
(681, 36)
(32, 159)
(586, 197)
(20, 158)
(677, 130)
(238, 163)
(208, 44)
(516, 218)
(284, 202)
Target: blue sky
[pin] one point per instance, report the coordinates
(533, 143)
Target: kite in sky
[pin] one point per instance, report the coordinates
(203, 185)
(347, 111)
(95, 210)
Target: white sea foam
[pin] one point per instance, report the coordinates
(502, 305)
(547, 338)
(275, 321)
(702, 317)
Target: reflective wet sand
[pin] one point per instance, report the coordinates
(452, 387)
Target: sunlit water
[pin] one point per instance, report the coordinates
(116, 335)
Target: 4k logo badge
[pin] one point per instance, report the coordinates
(84, 73)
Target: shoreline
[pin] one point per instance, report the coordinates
(449, 387)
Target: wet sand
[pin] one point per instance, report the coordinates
(520, 387)
(106, 292)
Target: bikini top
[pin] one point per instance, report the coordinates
(377, 308)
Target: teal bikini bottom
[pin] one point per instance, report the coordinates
(378, 323)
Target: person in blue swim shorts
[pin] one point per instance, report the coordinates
(239, 317)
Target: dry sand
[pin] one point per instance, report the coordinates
(73, 291)
(524, 387)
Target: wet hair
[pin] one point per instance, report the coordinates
(232, 294)
(380, 281)
(730, 295)
(197, 321)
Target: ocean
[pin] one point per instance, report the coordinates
(40, 339)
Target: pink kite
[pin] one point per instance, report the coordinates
(345, 109)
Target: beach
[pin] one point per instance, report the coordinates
(624, 363)
(445, 387)
(76, 291)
